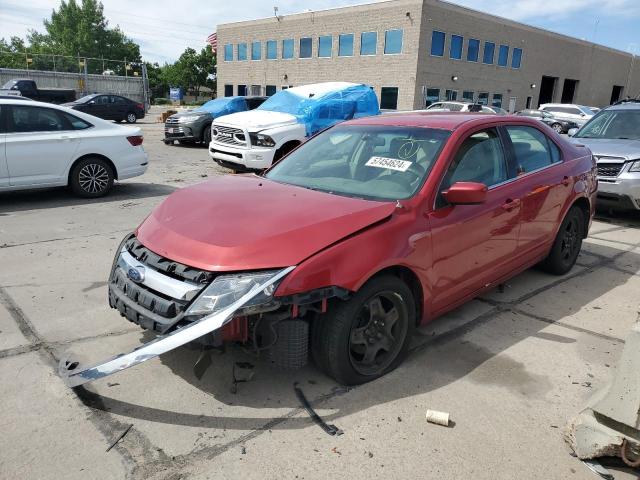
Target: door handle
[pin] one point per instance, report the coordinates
(510, 204)
(565, 181)
(67, 138)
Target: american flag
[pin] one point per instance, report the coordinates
(213, 41)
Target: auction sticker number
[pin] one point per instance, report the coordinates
(389, 163)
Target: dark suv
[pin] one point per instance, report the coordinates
(195, 125)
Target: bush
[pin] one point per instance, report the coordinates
(161, 101)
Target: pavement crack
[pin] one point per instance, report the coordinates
(37, 242)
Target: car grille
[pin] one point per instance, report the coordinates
(171, 121)
(140, 304)
(173, 131)
(229, 135)
(609, 166)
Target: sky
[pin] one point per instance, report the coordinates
(164, 29)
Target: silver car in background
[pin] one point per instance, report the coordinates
(569, 112)
(613, 135)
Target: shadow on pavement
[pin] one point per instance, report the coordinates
(434, 363)
(63, 197)
(623, 218)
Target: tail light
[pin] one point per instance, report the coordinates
(140, 106)
(135, 140)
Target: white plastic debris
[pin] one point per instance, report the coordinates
(439, 418)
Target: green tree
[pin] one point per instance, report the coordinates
(12, 53)
(192, 71)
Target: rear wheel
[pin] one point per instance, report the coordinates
(367, 336)
(566, 247)
(131, 117)
(557, 127)
(91, 178)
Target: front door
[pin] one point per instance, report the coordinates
(39, 145)
(473, 244)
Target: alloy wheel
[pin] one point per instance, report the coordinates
(131, 118)
(557, 127)
(570, 240)
(93, 178)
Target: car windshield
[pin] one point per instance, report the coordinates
(9, 84)
(220, 104)
(613, 124)
(86, 98)
(371, 162)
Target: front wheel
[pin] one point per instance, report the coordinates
(91, 178)
(566, 247)
(367, 336)
(206, 136)
(557, 127)
(131, 117)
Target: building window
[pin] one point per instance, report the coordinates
(516, 58)
(389, 98)
(242, 51)
(287, 48)
(473, 50)
(437, 43)
(368, 43)
(528, 104)
(228, 52)
(305, 47)
(489, 49)
(272, 50)
(228, 90)
(483, 98)
(497, 100)
(270, 90)
(256, 51)
(503, 55)
(325, 43)
(467, 95)
(345, 45)
(242, 90)
(455, 50)
(451, 95)
(393, 42)
(433, 95)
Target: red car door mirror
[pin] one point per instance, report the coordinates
(466, 193)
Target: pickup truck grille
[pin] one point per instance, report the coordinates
(228, 135)
(149, 308)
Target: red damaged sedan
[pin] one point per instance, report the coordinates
(340, 250)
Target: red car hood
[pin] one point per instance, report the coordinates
(244, 222)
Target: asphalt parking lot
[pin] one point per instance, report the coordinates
(511, 368)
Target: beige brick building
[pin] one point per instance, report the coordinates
(414, 52)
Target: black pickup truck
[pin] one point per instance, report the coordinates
(27, 88)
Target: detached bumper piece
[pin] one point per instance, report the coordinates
(75, 374)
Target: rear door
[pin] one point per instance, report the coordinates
(119, 107)
(543, 184)
(40, 143)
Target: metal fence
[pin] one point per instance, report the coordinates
(132, 87)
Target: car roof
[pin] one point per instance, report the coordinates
(440, 120)
(629, 105)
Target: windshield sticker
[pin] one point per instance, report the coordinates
(389, 163)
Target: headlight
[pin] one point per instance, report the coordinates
(261, 140)
(227, 289)
(635, 166)
(188, 118)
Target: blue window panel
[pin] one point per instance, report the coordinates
(393, 41)
(455, 50)
(256, 50)
(345, 45)
(228, 52)
(325, 43)
(272, 49)
(305, 47)
(437, 43)
(489, 49)
(516, 58)
(368, 43)
(242, 51)
(503, 55)
(287, 48)
(473, 50)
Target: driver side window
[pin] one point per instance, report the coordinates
(480, 159)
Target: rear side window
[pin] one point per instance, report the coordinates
(36, 119)
(532, 149)
(75, 122)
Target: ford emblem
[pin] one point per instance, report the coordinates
(136, 274)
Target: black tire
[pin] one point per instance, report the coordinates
(91, 178)
(358, 328)
(284, 150)
(118, 121)
(131, 117)
(557, 127)
(566, 247)
(206, 136)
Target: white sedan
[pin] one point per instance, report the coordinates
(45, 145)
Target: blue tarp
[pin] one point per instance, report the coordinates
(223, 106)
(323, 110)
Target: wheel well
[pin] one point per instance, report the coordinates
(583, 204)
(286, 148)
(413, 282)
(89, 155)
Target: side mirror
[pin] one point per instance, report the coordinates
(466, 193)
(582, 114)
(572, 132)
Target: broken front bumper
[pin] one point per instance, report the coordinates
(74, 374)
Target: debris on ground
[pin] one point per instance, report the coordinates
(439, 418)
(330, 429)
(120, 437)
(248, 372)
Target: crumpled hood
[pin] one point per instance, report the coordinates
(256, 120)
(611, 147)
(245, 222)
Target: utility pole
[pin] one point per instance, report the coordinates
(145, 87)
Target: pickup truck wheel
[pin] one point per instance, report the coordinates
(91, 178)
(367, 336)
(567, 245)
(131, 117)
